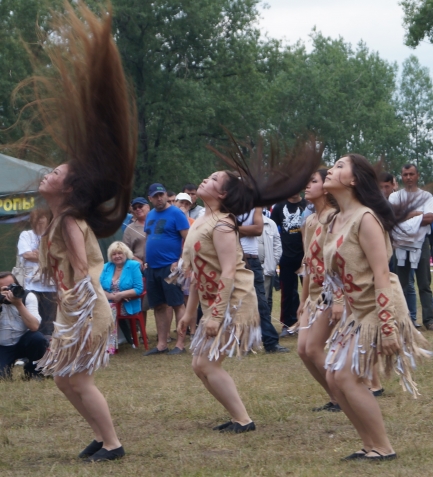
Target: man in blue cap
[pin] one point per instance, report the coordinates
(166, 227)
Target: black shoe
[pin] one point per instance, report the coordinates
(278, 349)
(379, 456)
(417, 325)
(329, 406)
(155, 351)
(378, 392)
(93, 447)
(222, 426)
(356, 455)
(104, 455)
(237, 428)
(176, 350)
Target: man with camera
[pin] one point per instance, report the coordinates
(19, 322)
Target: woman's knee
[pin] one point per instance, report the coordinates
(314, 353)
(62, 383)
(302, 351)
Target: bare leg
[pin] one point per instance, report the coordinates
(170, 310)
(360, 406)
(179, 311)
(376, 385)
(163, 317)
(311, 347)
(82, 392)
(221, 385)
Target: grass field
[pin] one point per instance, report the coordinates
(164, 418)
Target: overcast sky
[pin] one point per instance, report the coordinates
(377, 22)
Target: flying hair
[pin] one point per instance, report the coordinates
(262, 179)
(82, 101)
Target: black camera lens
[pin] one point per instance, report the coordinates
(17, 290)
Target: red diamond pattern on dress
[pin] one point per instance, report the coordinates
(387, 329)
(384, 315)
(339, 242)
(197, 246)
(318, 231)
(383, 300)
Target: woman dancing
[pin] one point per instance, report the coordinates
(357, 253)
(84, 106)
(225, 288)
(316, 317)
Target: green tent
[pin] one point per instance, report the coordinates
(19, 182)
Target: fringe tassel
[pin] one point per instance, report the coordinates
(232, 339)
(72, 348)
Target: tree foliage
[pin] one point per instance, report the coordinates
(418, 21)
(198, 65)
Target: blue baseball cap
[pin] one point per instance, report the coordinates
(156, 189)
(139, 200)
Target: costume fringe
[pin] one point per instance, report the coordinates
(73, 349)
(368, 339)
(233, 339)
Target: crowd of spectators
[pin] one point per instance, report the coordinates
(148, 248)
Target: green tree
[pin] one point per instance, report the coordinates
(418, 21)
(416, 105)
(345, 96)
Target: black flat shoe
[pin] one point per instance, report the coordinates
(378, 392)
(103, 455)
(379, 456)
(155, 351)
(356, 455)
(93, 447)
(237, 428)
(222, 426)
(329, 406)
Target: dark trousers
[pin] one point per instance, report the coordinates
(31, 345)
(289, 289)
(423, 280)
(269, 333)
(47, 306)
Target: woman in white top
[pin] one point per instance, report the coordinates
(28, 250)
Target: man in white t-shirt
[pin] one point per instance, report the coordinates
(412, 248)
(250, 228)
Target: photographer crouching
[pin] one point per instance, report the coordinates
(19, 322)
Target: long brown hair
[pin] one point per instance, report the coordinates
(262, 179)
(83, 103)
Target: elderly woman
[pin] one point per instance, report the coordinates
(121, 279)
(28, 250)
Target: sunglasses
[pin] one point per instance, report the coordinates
(137, 206)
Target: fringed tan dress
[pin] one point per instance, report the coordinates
(240, 324)
(371, 315)
(84, 317)
(314, 240)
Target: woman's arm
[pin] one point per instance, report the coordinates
(190, 311)
(225, 243)
(76, 248)
(133, 268)
(373, 244)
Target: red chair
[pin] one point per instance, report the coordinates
(141, 317)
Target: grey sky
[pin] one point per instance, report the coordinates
(377, 22)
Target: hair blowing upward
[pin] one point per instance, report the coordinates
(83, 103)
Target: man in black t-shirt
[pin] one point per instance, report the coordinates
(287, 215)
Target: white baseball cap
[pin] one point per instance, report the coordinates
(184, 196)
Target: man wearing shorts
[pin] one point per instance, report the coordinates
(165, 228)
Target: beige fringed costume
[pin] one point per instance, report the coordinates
(376, 315)
(231, 302)
(84, 318)
(314, 240)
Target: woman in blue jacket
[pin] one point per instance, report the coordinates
(122, 281)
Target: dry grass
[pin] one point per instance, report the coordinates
(164, 418)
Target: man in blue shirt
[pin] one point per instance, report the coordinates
(166, 227)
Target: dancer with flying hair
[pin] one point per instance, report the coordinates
(316, 315)
(220, 282)
(83, 104)
(376, 324)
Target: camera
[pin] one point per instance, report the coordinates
(17, 291)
